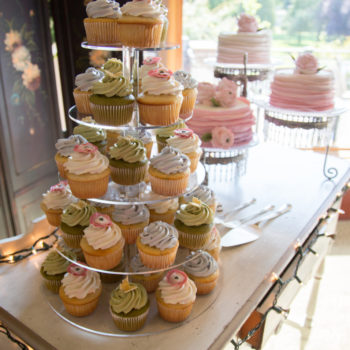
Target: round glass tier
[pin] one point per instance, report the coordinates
(77, 118)
(140, 193)
(101, 322)
(161, 47)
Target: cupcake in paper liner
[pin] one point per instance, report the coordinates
(55, 200)
(129, 306)
(175, 296)
(80, 290)
(73, 222)
(203, 271)
(128, 161)
(161, 98)
(145, 136)
(54, 267)
(83, 91)
(189, 144)
(102, 243)
(163, 134)
(141, 24)
(101, 25)
(157, 245)
(131, 219)
(87, 172)
(169, 172)
(194, 222)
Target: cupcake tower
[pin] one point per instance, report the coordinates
(104, 236)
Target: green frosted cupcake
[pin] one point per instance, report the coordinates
(54, 267)
(194, 222)
(112, 102)
(93, 135)
(75, 218)
(128, 161)
(129, 306)
(164, 133)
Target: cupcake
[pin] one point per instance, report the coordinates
(62, 246)
(80, 290)
(204, 193)
(129, 306)
(188, 143)
(54, 267)
(169, 172)
(157, 245)
(145, 136)
(148, 280)
(161, 98)
(194, 221)
(163, 134)
(113, 277)
(141, 24)
(131, 219)
(189, 92)
(175, 296)
(101, 26)
(213, 246)
(65, 148)
(112, 102)
(87, 172)
(102, 243)
(128, 161)
(148, 64)
(73, 221)
(161, 211)
(82, 92)
(92, 134)
(203, 271)
(55, 200)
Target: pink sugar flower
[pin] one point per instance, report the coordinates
(306, 64)
(226, 93)
(222, 138)
(206, 92)
(162, 73)
(100, 220)
(149, 61)
(76, 270)
(85, 148)
(247, 24)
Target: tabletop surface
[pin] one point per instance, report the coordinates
(274, 175)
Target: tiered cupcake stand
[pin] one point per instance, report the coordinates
(100, 322)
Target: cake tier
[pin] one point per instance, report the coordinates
(304, 92)
(238, 119)
(231, 47)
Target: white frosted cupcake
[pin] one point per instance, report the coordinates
(102, 243)
(157, 245)
(131, 219)
(57, 198)
(161, 211)
(175, 296)
(148, 64)
(203, 271)
(188, 143)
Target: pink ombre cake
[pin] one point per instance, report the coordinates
(305, 88)
(220, 118)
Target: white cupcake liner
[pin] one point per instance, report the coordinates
(112, 114)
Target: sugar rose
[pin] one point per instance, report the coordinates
(247, 24)
(306, 64)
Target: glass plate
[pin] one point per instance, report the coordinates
(162, 47)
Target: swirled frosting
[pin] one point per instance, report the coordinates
(103, 237)
(66, 146)
(143, 8)
(103, 9)
(185, 79)
(130, 214)
(195, 213)
(86, 163)
(78, 214)
(144, 135)
(80, 286)
(110, 87)
(169, 131)
(90, 134)
(203, 265)
(55, 264)
(85, 81)
(202, 192)
(125, 302)
(161, 207)
(129, 149)
(58, 199)
(170, 161)
(145, 68)
(159, 234)
(185, 145)
(113, 67)
(175, 294)
(158, 86)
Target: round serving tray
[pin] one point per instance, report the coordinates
(162, 47)
(76, 117)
